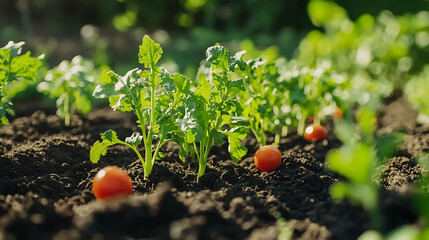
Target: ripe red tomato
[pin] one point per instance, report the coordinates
(267, 158)
(111, 181)
(338, 113)
(315, 132)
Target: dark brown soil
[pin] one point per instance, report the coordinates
(46, 180)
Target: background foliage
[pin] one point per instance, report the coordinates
(66, 28)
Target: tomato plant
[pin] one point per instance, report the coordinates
(111, 181)
(315, 132)
(267, 158)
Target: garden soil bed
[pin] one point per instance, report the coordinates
(46, 180)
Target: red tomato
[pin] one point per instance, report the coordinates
(310, 119)
(267, 158)
(338, 113)
(111, 181)
(315, 132)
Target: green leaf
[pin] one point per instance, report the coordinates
(83, 101)
(352, 161)
(109, 138)
(216, 53)
(190, 137)
(365, 119)
(181, 82)
(149, 52)
(14, 66)
(239, 121)
(387, 145)
(193, 122)
(168, 84)
(121, 103)
(104, 91)
(236, 149)
(217, 136)
(365, 194)
(204, 88)
(238, 84)
(237, 61)
(5, 108)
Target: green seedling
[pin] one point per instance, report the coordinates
(212, 107)
(71, 83)
(153, 95)
(14, 67)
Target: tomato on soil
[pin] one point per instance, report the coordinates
(315, 132)
(111, 181)
(338, 113)
(267, 158)
(310, 119)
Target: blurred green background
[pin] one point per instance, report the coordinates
(109, 31)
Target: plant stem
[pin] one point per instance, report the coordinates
(301, 126)
(196, 151)
(67, 107)
(158, 146)
(149, 158)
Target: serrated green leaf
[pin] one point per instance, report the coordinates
(15, 66)
(149, 52)
(109, 138)
(215, 53)
(120, 102)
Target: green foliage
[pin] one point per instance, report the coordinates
(153, 95)
(314, 91)
(71, 83)
(281, 94)
(416, 91)
(377, 54)
(358, 160)
(14, 67)
(212, 106)
(263, 99)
